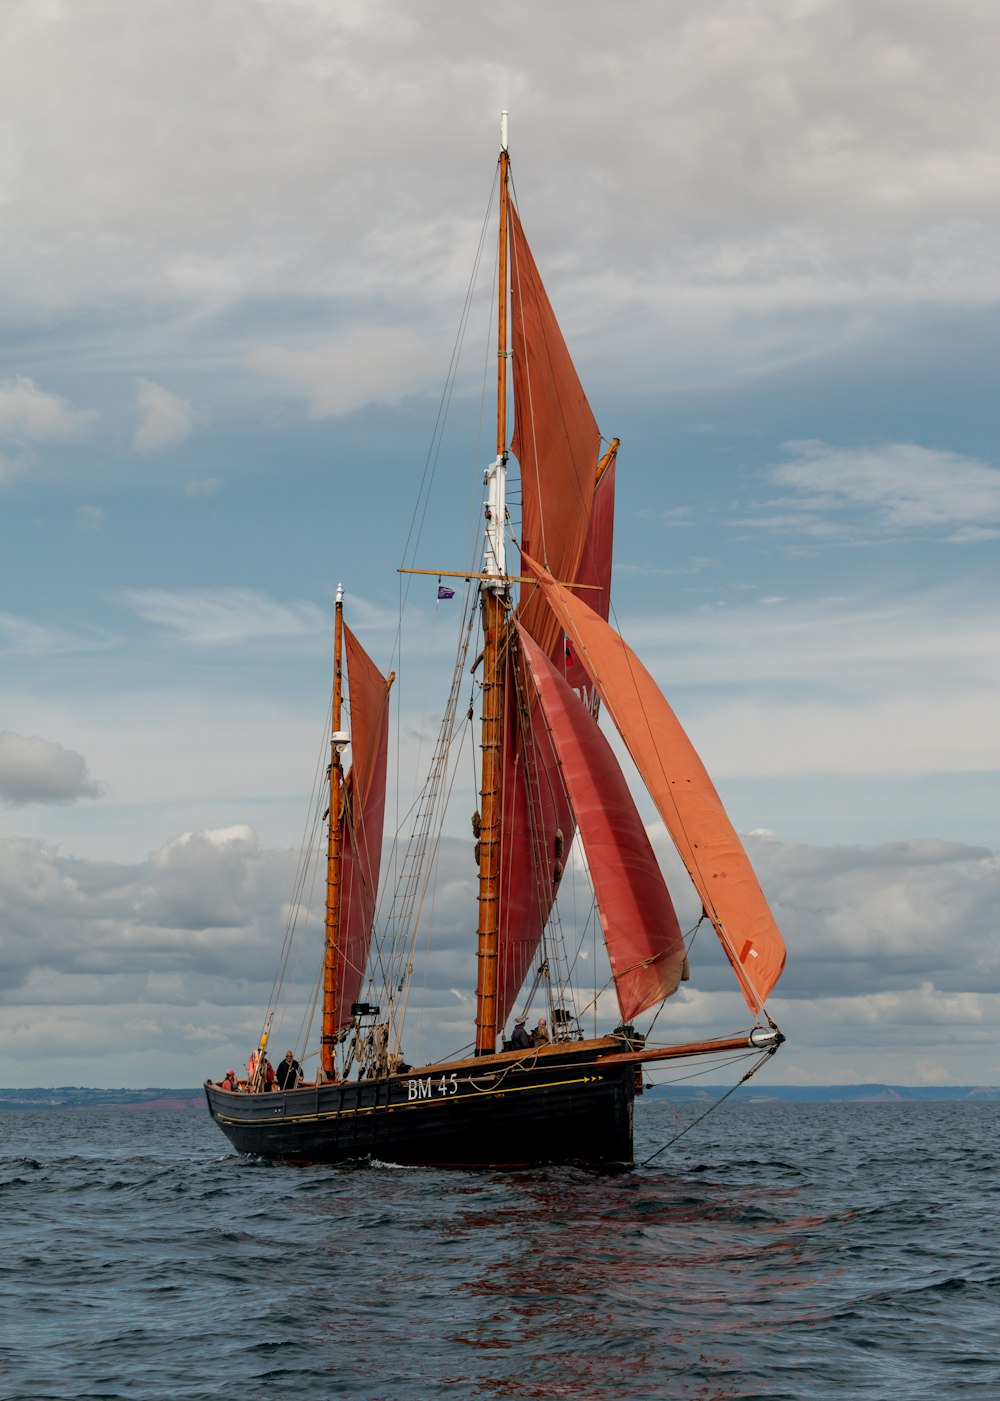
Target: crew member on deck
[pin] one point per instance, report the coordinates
(253, 1072)
(230, 1082)
(540, 1035)
(520, 1040)
(289, 1072)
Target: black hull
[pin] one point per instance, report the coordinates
(555, 1107)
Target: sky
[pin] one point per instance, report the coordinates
(235, 244)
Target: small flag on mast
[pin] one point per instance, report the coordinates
(445, 592)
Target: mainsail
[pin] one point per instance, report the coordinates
(568, 511)
(682, 791)
(643, 938)
(556, 439)
(361, 821)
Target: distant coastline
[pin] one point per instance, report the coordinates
(81, 1097)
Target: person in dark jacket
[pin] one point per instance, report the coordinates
(289, 1072)
(520, 1040)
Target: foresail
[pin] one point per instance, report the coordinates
(362, 819)
(643, 938)
(682, 791)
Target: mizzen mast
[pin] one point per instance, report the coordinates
(338, 743)
(495, 603)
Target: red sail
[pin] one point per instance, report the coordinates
(641, 932)
(569, 515)
(570, 519)
(361, 823)
(556, 439)
(530, 766)
(682, 791)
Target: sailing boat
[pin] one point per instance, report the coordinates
(549, 661)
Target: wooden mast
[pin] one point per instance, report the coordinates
(338, 741)
(495, 599)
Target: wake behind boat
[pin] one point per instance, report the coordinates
(544, 663)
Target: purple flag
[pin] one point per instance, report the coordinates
(445, 592)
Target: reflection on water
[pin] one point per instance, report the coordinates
(651, 1277)
(805, 1252)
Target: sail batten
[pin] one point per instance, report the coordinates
(683, 793)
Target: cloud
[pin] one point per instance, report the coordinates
(89, 519)
(9, 469)
(376, 365)
(892, 488)
(228, 617)
(28, 413)
(24, 638)
(812, 157)
(204, 486)
(889, 947)
(165, 420)
(34, 770)
(877, 922)
(902, 685)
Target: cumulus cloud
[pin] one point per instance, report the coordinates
(866, 921)
(165, 420)
(889, 947)
(209, 903)
(34, 770)
(28, 413)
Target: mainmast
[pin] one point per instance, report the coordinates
(495, 602)
(338, 743)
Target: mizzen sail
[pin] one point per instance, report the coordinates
(682, 791)
(361, 820)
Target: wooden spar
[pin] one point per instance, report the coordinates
(502, 304)
(332, 942)
(512, 578)
(602, 467)
(495, 601)
(745, 1042)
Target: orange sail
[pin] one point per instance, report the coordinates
(361, 822)
(682, 791)
(535, 807)
(643, 938)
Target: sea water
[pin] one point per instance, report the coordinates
(777, 1251)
